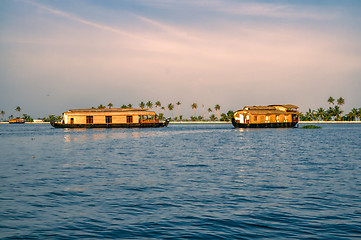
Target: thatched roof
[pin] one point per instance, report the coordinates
(285, 105)
(269, 109)
(258, 108)
(116, 111)
(109, 110)
(268, 112)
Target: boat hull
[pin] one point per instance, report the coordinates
(264, 125)
(111, 125)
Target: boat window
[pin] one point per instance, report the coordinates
(255, 118)
(71, 120)
(129, 119)
(108, 119)
(89, 119)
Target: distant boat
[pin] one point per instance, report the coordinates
(17, 121)
(271, 116)
(109, 118)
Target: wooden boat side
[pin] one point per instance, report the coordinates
(112, 125)
(264, 125)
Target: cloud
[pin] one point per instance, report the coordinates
(81, 20)
(232, 63)
(246, 8)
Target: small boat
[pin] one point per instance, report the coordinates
(270, 116)
(110, 118)
(17, 121)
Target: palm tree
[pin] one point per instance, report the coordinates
(337, 112)
(170, 107)
(331, 100)
(224, 117)
(124, 106)
(230, 114)
(209, 112)
(321, 113)
(110, 105)
(340, 101)
(194, 106)
(310, 115)
(331, 113)
(352, 115)
(101, 106)
(178, 104)
(358, 114)
(163, 110)
(149, 104)
(141, 105)
(158, 104)
(217, 108)
(130, 105)
(213, 118)
(202, 111)
(18, 109)
(2, 115)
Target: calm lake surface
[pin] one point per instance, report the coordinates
(197, 181)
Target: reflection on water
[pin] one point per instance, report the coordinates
(74, 135)
(103, 135)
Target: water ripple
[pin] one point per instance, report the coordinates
(185, 181)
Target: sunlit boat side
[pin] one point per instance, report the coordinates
(109, 118)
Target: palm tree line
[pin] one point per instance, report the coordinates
(26, 117)
(334, 112)
(170, 107)
(213, 114)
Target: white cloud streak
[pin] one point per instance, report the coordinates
(83, 21)
(245, 8)
(157, 59)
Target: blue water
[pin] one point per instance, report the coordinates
(196, 181)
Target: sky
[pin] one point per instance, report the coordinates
(57, 55)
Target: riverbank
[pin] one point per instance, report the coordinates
(329, 122)
(213, 122)
(207, 122)
(28, 122)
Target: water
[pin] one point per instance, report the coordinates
(198, 181)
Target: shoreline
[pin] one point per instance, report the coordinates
(216, 122)
(222, 122)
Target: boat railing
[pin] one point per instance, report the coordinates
(149, 121)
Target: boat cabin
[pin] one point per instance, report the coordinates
(286, 113)
(109, 116)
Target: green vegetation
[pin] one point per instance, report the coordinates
(142, 105)
(194, 106)
(2, 115)
(334, 112)
(52, 118)
(27, 118)
(149, 104)
(170, 108)
(310, 127)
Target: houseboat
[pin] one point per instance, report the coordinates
(109, 118)
(270, 116)
(17, 121)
